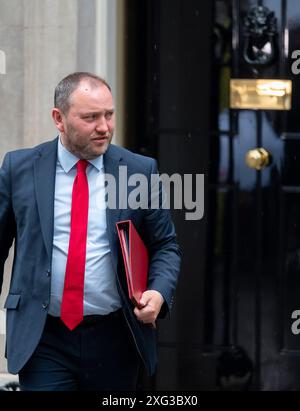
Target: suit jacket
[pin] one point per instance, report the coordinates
(27, 183)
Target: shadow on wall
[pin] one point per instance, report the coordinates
(10, 386)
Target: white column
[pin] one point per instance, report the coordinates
(50, 53)
(2, 62)
(109, 54)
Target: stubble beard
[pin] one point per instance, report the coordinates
(84, 152)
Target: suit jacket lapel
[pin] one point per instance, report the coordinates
(44, 177)
(112, 160)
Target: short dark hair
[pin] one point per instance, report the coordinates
(69, 84)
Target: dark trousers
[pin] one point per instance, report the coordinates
(97, 355)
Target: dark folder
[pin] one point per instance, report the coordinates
(135, 258)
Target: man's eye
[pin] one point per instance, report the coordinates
(109, 115)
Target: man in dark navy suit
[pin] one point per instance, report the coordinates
(70, 323)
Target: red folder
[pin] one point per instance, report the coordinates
(135, 258)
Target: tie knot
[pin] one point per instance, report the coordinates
(81, 166)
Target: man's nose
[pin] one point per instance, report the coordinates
(101, 125)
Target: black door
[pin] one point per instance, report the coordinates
(235, 321)
(256, 239)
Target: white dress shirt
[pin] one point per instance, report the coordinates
(100, 291)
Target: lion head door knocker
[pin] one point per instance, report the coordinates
(260, 32)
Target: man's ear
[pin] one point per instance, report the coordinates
(58, 119)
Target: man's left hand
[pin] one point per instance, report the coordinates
(151, 302)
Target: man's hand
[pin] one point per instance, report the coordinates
(151, 303)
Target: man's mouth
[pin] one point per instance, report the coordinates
(103, 138)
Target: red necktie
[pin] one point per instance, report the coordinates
(72, 300)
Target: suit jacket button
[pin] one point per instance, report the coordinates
(48, 273)
(45, 305)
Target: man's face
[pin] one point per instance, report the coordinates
(87, 128)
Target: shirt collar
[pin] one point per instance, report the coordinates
(68, 160)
